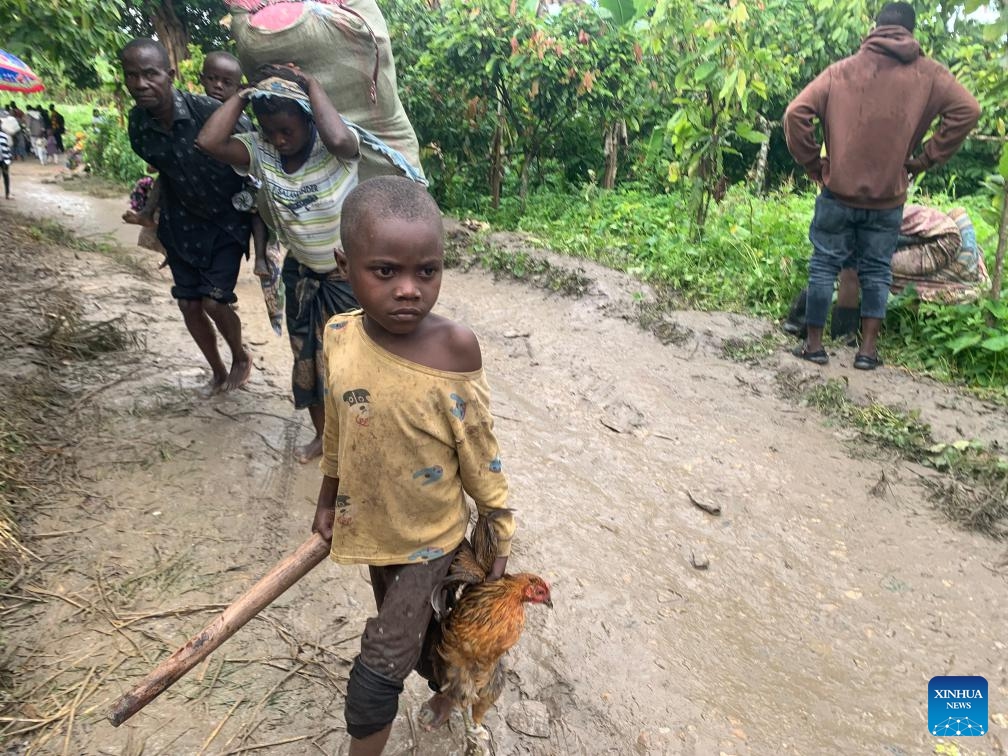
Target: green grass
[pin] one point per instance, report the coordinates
(975, 491)
(752, 259)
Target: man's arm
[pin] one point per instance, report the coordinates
(799, 128)
(959, 113)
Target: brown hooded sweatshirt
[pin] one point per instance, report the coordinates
(875, 108)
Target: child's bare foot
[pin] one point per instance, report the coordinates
(308, 452)
(261, 269)
(241, 369)
(435, 712)
(138, 219)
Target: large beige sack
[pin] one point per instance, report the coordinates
(346, 47)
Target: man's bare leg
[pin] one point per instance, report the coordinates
(813, 341)
(313, 449)
(202, 331)
(229, 325)
(847, 291)
(870, 328)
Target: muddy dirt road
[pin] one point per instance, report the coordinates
(829, 601)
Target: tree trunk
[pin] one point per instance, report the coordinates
(616, 135)
(169, 30)
(497, 159)
(999, 256)
(523, 185)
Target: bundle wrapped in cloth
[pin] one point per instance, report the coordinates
(345, 45)
(938, 255)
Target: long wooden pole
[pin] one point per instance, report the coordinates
(245, 607)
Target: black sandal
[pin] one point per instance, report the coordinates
(819, 358)
(866, 361)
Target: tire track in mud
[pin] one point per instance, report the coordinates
(277, 489)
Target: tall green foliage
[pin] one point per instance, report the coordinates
(720, 84)
(61, 38)
(108, 152)
(536, 77)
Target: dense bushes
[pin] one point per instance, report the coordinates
(108, 152)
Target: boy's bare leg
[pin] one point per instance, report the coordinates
(260, 269)
(201, 329)
(229, 325)
(260, 239)
(372, 745)
(313, 449)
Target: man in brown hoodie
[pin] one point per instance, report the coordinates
(875, 108)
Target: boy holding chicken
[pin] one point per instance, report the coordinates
(408, 433)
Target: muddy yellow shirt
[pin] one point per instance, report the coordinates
(407, 442)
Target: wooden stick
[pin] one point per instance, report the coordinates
(245, 607)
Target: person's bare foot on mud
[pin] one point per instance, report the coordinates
(308, 452)
(435, 712)
(241, 369)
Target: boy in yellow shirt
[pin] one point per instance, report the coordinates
(408, 432)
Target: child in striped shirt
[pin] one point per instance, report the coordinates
(305, 158)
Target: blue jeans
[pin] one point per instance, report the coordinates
(839, 232)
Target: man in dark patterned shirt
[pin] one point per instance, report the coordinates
(203, 233)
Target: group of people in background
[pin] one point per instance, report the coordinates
(35, 131)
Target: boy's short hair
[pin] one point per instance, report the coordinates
(143, 43)
(222, 56)
(385, 197)
(897, 14)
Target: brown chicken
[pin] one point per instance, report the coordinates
(481, 622)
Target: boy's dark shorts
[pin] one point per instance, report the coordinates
(215, 282)
(393, 642)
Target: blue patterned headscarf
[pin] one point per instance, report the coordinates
(275, 86)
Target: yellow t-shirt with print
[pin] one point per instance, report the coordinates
(407, 442)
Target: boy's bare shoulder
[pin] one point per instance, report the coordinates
(458, 346)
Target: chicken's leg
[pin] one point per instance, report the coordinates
(478, 741)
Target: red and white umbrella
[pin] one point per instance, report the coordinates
(15, 76)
